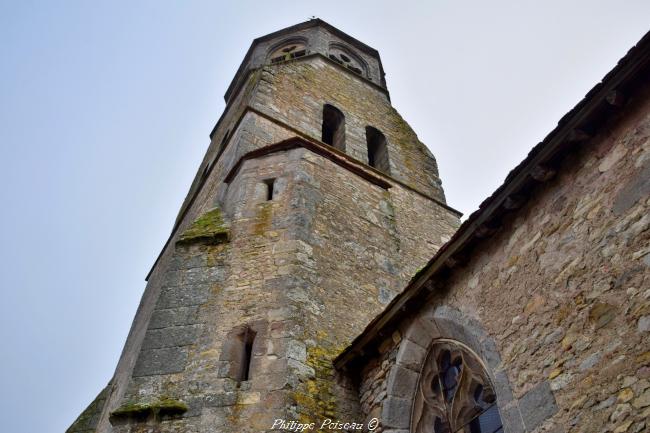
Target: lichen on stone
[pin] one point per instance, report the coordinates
(163, 407)
(208, 228)
(316, 400)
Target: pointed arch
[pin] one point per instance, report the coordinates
(348, 58)
(287, 49)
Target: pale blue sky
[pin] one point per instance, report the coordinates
(105, 111)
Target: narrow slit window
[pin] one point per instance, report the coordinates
(247, 355)
(270, 183)
(377, 150)
(333, 132)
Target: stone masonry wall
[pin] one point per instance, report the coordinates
(286, 268)
(557, 303)
(295, 92)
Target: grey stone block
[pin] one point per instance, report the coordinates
(194, 276)
(411, 355)
(490, 353)
(456, 331)
(422, 332)
(511, 419)
(396, 412)
(170, 337)
(160, 361)
(173, 317)
(502, 387)
(219, 399)
(537, 405)
(402, 382)
(182, 296)
(638, 188)
(456, 316)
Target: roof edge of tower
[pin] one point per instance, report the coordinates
(314, 22)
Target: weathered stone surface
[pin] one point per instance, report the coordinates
(173, 317)
(637, 188)
(511, 419)
(537, 405)
(411, 355)
(394, 413)
(160, 361)
(502, 387)
(401, 382)
(171, 336)
(183, 296)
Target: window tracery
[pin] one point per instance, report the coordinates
(454, 394)
(288, 51)
(345, 58)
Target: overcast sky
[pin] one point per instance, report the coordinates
(105, 111)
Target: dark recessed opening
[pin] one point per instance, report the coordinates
(247, 355)
(333, 132)
(377, 149)
(269, 188)
(336, 59)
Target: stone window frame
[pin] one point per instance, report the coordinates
(377, 149)
(239, 362)
(457, 403)
(339, 133)
(297, 40)
(363, 68)
(522, 415)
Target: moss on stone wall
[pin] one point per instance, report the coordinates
(163, 407)
(317, 400)
(208, 228)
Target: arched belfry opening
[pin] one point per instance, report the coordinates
(333, 132)
(288, 50)
(377, 150)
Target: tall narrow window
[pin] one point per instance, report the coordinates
(238, 353)
(269, 188)
(247, 354)
(377, 150)
(333, 127)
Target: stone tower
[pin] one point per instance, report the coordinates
(315, 203)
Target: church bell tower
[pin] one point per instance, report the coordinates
(314, 205)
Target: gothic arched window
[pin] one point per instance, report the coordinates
(377, 149)
(346, 58)
(287, 51)
(333, 131)
(455, 394)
